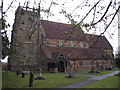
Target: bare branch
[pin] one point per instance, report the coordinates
(103, 14)
(106, 27)
(9, 6)
(88, 13)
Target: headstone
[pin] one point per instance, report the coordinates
(17, 72)
(70, 76)
(40, 71)
(23, 74)
(31, 79)
(40, 77)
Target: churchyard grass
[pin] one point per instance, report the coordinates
(109, 82)
(11, 80)
(115, 69)
(101, 72)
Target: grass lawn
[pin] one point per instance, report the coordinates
(11, 80)
(101, 72)
(115, 69)
(109, 82)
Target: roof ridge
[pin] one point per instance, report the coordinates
(55, 22)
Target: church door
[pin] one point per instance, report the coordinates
(61, 67)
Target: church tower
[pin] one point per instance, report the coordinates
(25, 40)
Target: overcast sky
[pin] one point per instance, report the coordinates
(70, 6)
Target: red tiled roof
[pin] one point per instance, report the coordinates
(76, 53)
(55, 30)
(102, 42)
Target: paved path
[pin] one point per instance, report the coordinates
(89, 81)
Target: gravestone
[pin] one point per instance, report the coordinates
(23, 74)
(70, 75)
(31, 79)
(17, 72)
(40, 77)
(40, 71)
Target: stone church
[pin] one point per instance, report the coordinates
(55, 47)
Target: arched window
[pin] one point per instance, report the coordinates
(81, 62)
(60, 43)
(71, 44)
(30, 21)
(81, 44)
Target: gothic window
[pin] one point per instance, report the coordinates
(60, 43)
(30, 21)
(81, 62)
(81, 44)
(71, 44)
(46, 42)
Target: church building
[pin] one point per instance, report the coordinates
(55, 47)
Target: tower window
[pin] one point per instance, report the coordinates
(22, 13)
(22, 23)
(30, 21)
